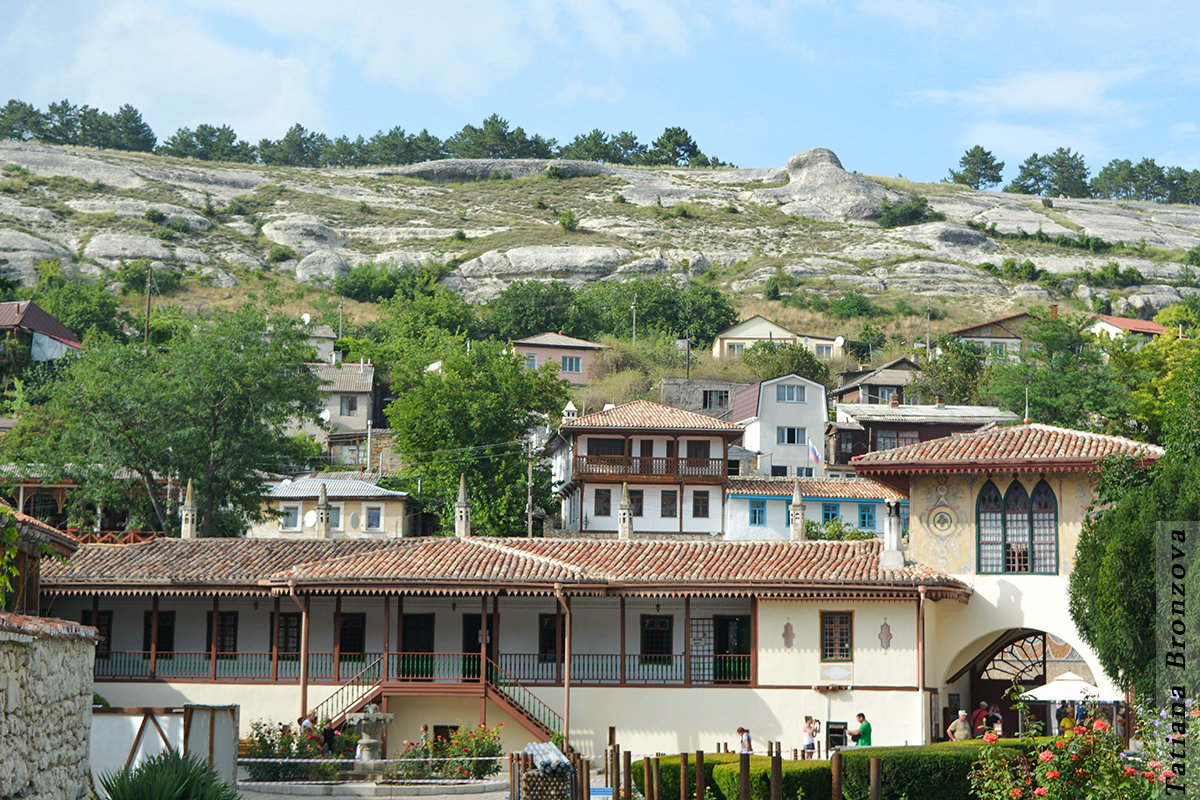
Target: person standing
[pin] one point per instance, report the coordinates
(979, 720)
(808, 738)
(960, 729)
(746, 745)
(862, 734)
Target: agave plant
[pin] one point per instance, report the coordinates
(168, 776)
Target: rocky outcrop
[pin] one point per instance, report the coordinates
(303, 232)
(20, 251)
(322, 266)
(111, 248)
(482, 278)
(136, 209)
(818, 187)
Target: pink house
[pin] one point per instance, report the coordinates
(575, 357)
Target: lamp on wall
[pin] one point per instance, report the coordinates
(454, 605)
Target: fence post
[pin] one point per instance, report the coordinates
(876, 778)
(795, 754)
(835, 766)
(683, 777)
(657, 780)
(647, 779)
(776, 775)
(744, 776)
(700, 785)
(628, 775)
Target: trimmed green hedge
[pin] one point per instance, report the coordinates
(668, 775)
(810, 780)
(937, 771)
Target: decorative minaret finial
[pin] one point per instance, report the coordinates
(462, 509)
(625, 515)
(892, 557)
(796, 514)
(324, 523)
(187, 514)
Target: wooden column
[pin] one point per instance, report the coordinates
(699, 775)
(400, 636)
(305, 617)
(337, 638)
(483, 620)
(683, 777)
(153, 636)
(679, 507)
(558, 640)
(275, 643)
(687, 643)
(212, 642)
(622, 664)
(387, 634)
(754, 641)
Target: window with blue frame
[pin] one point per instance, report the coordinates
(866, 517)
(830, 512)
(758, 512)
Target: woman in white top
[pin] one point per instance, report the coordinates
(808, 737)
(747, 747)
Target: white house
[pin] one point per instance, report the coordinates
(784, 420)
(732, 342)
(1137, 331)
(675, 463)
(335, 509)
(760, 508)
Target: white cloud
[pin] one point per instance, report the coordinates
(1183, 130)
(1013, 143)
(1082, 92)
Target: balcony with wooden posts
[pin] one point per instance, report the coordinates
(651, 469)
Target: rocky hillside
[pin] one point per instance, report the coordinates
(811, 224)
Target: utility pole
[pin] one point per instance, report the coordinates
(688, 368)
(634, 307)
(928, 306)
(529, 493)
(147, 330)
(341, 303)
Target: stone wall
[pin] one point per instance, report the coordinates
(45, 706)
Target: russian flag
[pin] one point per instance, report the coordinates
(814, 453)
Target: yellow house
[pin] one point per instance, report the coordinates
(731, 343)
(336, 509)
(1001, 510)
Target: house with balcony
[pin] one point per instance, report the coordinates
(784, 419)
(881, 384)
(760, 508)
(674, 462)
(348, 411)
(863, 427)
(1000, 510)
(575, 358)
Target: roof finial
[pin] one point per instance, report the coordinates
(1027, 419)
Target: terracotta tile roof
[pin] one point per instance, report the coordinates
(845, 488)
(189, 565)
(481, 565)
(653, 416)
(34, 528)
(1134, 325)
(559, 340)
(45, 627)
(1040, 447)
(344, 377)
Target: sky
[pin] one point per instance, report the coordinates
(893, 87)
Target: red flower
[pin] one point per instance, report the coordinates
(1016, 793)
(1130, 771)
(1060, 744)
(1074, 756)
(1167, 775)
(1154, 764)
(1046, 755)
(1101, 725)
(1150, 776)
(1052, 773)
(1079, 772)
(1040, 790)
(1196, 712)
(989, 737)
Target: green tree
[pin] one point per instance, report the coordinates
(212, 405)
(299, 147)
(527, 308)
(61, 123)
(1066, 174)
(627, 149)
(978, 168)
(493, 139)
(20, 121)
(955, 373)
(208, 143)
(768, 360)
(128, 131)
(81, 305)
(1068, 380)
(1031, 179)
(606, 308)
(593, 146)
(1114, 181)
(674, 147)
(470, 417)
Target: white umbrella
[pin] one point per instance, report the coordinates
(1072, 688)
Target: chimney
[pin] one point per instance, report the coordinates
(570, 411)
(796, 515)
(894, 400)
(462, 510)
(324, 523)
(187, 514)
(625, 515)
(892, 557)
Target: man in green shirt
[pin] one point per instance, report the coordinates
(862, 734)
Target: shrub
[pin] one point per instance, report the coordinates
(155, 216)
(268, 740)
(619, 198)
(459, 235)
(568, 221)
(1047, 202)
(668, 775)
(132, 277)
(280, 252)
(172, 774)
(809, 780)
(450, 757)
(940, 770)
(179, 224)
(540, 204)
(236, 208)
(914, 212)
(556, 173)
(369, 282)
(771, 288)
(853, 303)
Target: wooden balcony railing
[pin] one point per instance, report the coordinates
(532, 669)
(651, 467)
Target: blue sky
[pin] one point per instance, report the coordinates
(894, 87)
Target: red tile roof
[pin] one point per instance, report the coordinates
(482, 565)
(1133, 325)
(844, 488)
(1030, 447)
(652, 416)
(46, 627)
(37, 530)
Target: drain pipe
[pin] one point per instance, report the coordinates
(303, 645)
(923, 705)
(566, 607)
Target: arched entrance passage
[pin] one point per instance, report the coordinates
(1025, 655)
